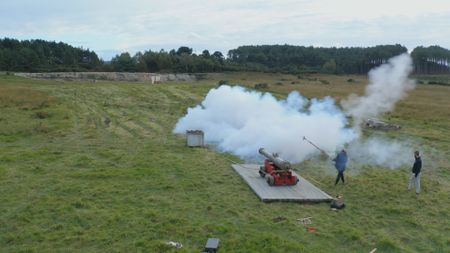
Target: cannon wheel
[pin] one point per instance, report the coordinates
(270, 180)
(261, 171)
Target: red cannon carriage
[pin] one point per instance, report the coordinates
(276, 170)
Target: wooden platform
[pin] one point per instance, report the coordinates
(304, 191)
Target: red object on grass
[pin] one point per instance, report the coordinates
(276, 176)
(311, 229)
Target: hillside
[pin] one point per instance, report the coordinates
(94, 167)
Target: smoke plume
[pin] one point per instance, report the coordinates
(388, 83)
(241, 121)
(381, 152)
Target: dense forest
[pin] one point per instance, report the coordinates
(44, 56)
(286, 58)
(181, 60)
(431, 60)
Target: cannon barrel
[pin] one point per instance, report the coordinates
(280, 163)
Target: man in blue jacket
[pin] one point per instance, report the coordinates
(415, 175)
(340, 163)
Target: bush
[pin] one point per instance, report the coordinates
(201, 76)
(261, 86)
(437, 82)
(222, 82)
(42, 115)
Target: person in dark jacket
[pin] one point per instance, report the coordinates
(415, 175)
(340, 163)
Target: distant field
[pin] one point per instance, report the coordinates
(94, 167)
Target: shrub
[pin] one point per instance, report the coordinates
(437, 82)
(261, 86)
(42, 115)
(222, 82)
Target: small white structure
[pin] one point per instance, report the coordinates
(156, 79)
(195, 138)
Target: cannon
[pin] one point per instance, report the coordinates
(276, 170)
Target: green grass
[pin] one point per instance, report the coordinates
(71, 183)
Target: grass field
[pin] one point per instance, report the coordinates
(94, 167)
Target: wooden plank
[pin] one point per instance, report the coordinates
(304, 191)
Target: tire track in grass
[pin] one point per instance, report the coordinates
(151, 129)
(154, 107)
(139, 99)
(106, 138)
(184, 93)
(116, 124)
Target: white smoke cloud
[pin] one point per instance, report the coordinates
(388, 84)
(240, 121)
(376, 151)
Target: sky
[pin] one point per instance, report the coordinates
(110, 27)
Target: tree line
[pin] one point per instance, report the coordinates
(182, 60)
(44, 56)
(287, 58)
(431, 60)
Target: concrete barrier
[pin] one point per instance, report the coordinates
(111, 76)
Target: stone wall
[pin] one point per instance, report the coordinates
(111, 76)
